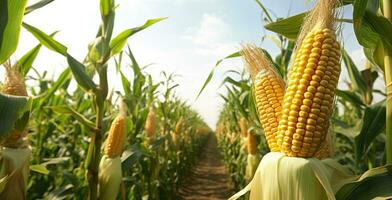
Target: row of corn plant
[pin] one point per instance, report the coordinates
(95, 142)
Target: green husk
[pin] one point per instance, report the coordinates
(14, 172)
(110, 176)
(251, 166)
(282, 177)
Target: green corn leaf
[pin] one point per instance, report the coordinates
(39, 169)
(373, 124)
(291, 26)
(355, 76)
(233, 55)
(372, 30)
(106, 6)
(63, 109)
(12, 109)
(120, 40)
(262, 7)
(11, 14)
(25, 63)
(351, 97)
(37, 5)
(376, 182)
(46, 40)
(80, 74)
(64, 78)
(288, 27)
(77, 68)
(130, 157)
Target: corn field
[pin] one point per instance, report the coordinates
(288, 127)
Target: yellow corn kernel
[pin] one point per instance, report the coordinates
(312, 89)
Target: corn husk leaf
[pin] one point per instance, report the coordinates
(304, 178)
(251, 166)
(14, 171)
(13, 111)
(110, 175)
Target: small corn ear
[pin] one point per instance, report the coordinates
(149, 127)
(243, 127)
(251, 143)
(116, 137)
(269, 91)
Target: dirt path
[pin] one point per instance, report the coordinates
(209, 179)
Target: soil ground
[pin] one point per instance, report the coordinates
(209, 178)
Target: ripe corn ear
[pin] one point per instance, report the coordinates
(309, 97)
(116, 137)
(269, 91)
(253, 158)
(243, 127)
(149, 127)
(251, 143)
(110, 173)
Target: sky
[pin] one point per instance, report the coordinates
(195, 35)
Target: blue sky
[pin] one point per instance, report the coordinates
(196, 34)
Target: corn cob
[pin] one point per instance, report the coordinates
(115, 141)
(251, 143)
(243, 127)
(149, 127)
(310, 93)
(269, 91)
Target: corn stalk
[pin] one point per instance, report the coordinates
(388, 82)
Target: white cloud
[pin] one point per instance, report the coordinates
(212, 29)
(212, 37)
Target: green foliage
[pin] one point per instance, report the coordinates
(11, 14)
